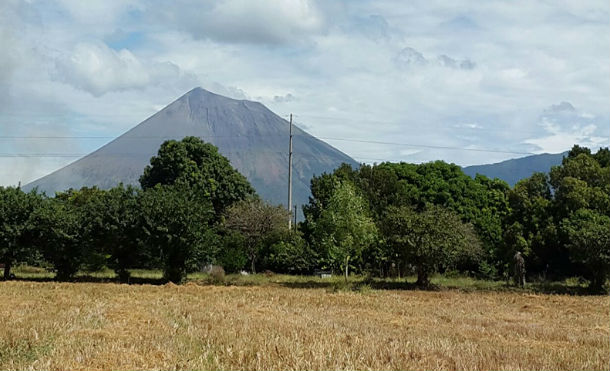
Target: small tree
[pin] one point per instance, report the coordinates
(57, 229)
(232, 254)
(428, 239)
(113, 228)
(287, 252)
(16, 207)
(175, 224)
(255, 220)
(589, 244)
(344, 229)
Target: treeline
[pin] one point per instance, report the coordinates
(193, 209)
(432, 217)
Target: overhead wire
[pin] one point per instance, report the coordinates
(353, 140)
(342, 139)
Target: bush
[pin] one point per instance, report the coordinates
(288, 253)
(217, 274)
(232, 255)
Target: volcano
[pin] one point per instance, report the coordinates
(251, 136)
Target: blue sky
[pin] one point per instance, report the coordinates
(441, 80)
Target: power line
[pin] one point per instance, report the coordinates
(429, 146)
(128, 137)
(355, 140)
(92, 154)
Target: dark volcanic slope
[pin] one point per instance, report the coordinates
(253, 138)
(512, 171)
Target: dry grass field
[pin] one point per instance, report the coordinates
(95, 326)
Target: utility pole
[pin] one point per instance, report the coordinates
(290, 176)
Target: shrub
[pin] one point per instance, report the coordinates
(232, 255)
(287, 252)
(217, 274)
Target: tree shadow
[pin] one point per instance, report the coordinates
(355, 285)
(549, 288)
(94, 279)
(563, 289)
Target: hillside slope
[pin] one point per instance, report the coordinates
(511, 171)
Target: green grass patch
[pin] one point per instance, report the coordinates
(335, 283)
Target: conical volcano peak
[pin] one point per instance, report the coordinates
(253, 138)
(199, 98)
(200, 92)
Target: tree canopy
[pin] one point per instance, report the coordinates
(200, 166)
(255, 220)
(16, 208)
(343, 228)
(428, 239)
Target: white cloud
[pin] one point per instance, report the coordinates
(565, 126)
(477, 75)
(244, 21)
(98, 69)
(98, 12)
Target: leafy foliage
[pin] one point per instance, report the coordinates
(58, 231)
(429, 239)
(200, 166)
(589, 243)
(343, 229)
(195, 210)
(287, 252)
(16, 208)
(175, 223)
(114, 229)
(255, 220)
(232, 254)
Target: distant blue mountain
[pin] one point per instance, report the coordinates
(512, 171)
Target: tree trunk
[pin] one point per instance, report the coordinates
(7, 270)
(252, 267)
(422, 278)
(123, 275)
(596, 284)
(346, 268)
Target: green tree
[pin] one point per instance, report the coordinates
(603, 157)
(57, 229)
(287, 252)
(114, 228)
(175, 223)
(589, 244)
(232, 254)
(88, 203)
(483, 202)
(531, 205)
(16, 208)
(429, 239)
(344, 229)
(256, 220)
(200, 166)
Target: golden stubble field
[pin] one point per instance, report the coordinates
(91, 326)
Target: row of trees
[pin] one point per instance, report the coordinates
(194, 209)
(432, 216)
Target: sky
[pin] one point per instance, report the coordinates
(467, 82)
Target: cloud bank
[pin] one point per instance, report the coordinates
(436, 80)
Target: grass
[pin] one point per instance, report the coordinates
(572, 286)
(290, 322)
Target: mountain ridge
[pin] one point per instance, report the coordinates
(513, 170)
